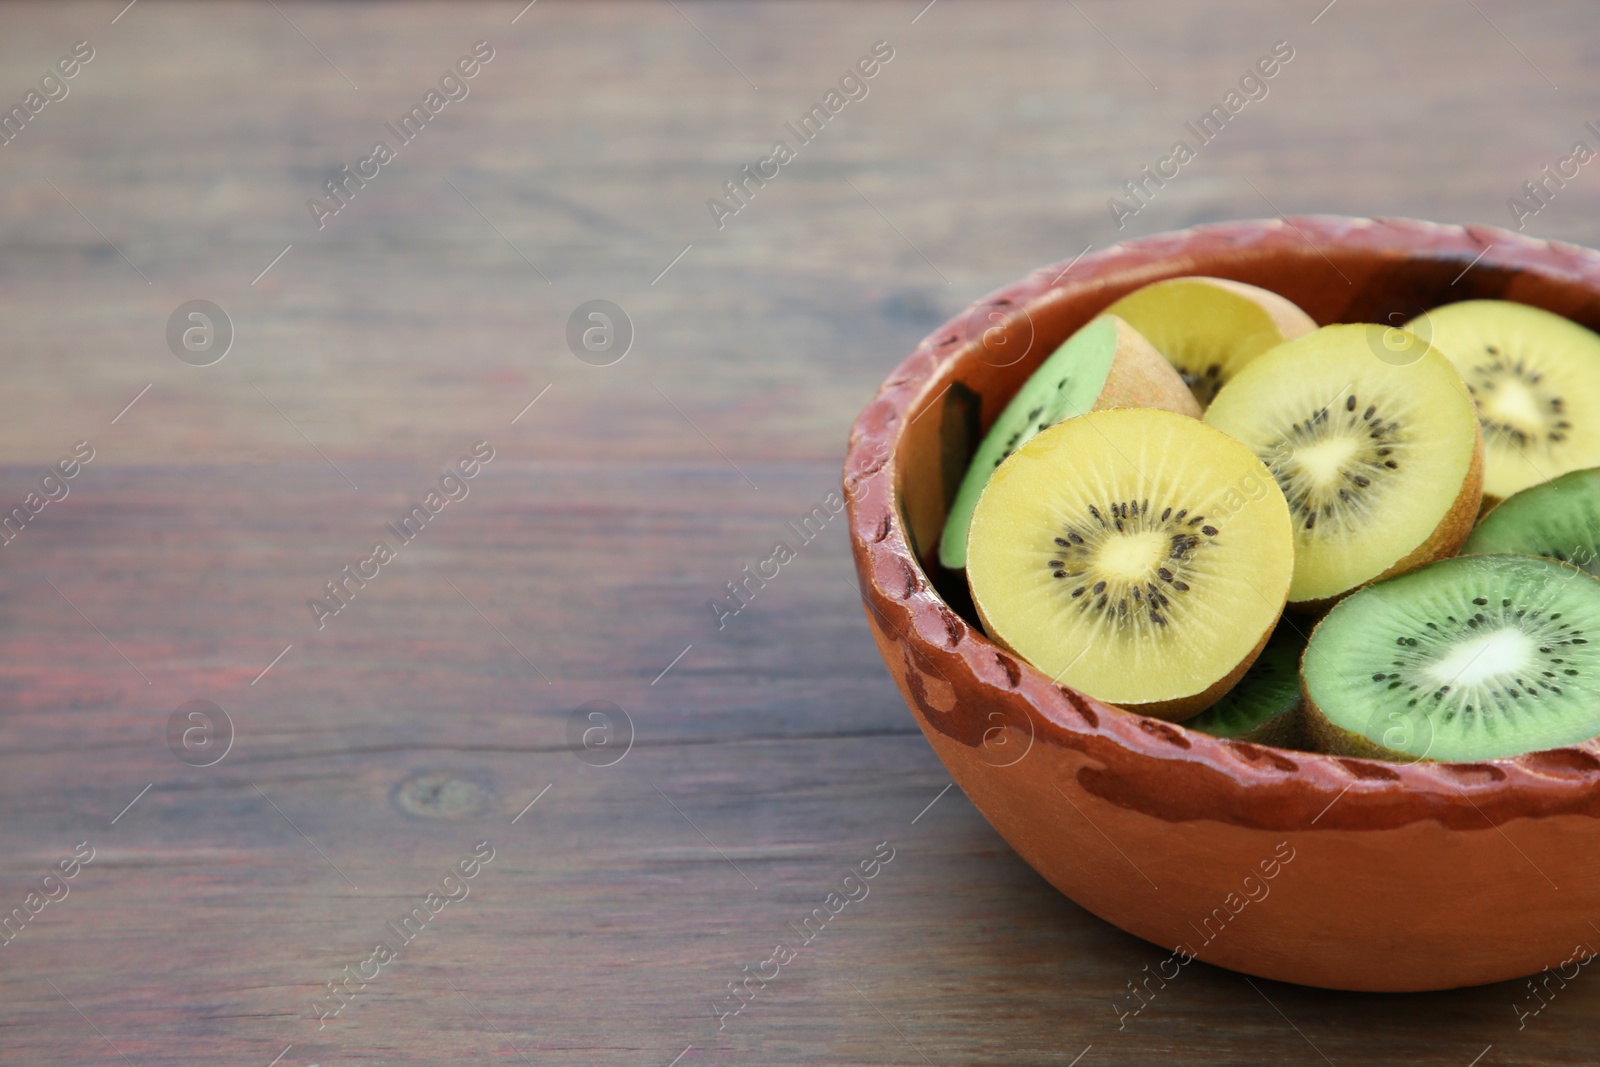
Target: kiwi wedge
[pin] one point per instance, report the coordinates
(1478, 657)
(1535, 377)
(1380, 461)
(1558, 520)
(1264, 707)
(1115, 553)
(1210, 328)
(1106, 364)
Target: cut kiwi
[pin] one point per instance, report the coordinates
(1478, 657)
(1106, 364)
(1265, 706)
(1210, 328)
(1558, 520)
(1115, 553)
(1380, 461)
(1536, 379)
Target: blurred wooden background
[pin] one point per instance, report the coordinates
(773, 756)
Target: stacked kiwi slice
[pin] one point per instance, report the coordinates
(1204, 508)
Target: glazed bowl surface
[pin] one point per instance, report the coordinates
(1341, 873)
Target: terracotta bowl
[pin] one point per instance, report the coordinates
(1342, 873)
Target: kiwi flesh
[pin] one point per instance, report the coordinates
(1535, 377)
(1115, 554)
(1472, 658)
(1264, 707)
(1558, 520)
(1381, 462)
(1105, 364)
(1210, 328)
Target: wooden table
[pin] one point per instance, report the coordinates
(769, 755)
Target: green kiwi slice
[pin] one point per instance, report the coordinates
(1265, 706)
(1559, 520)
(1106, 364)
(1535, 378)
(1471, 658)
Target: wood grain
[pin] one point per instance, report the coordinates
(416, 323)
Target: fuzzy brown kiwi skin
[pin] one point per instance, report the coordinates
(1445, 541)
(1141, 377)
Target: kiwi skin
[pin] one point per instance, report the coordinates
(1445, 541)
(1141, 377)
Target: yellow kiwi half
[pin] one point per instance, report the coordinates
(1211, 328)
(1379, 458)
(1535, 377)
(1135, 555)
